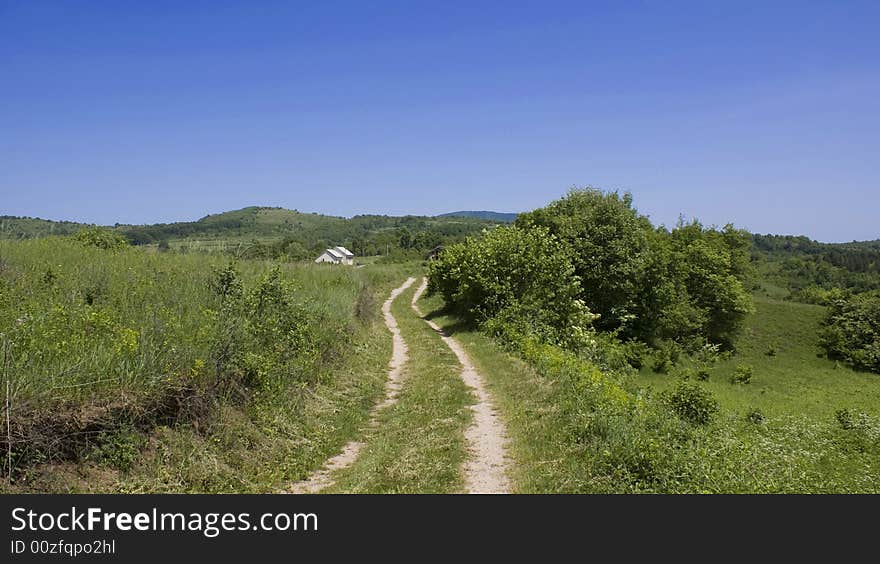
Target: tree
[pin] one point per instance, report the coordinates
(511, 270)
(609, 240)
(852, 330)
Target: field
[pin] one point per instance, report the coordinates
(795, 379)
(134, 370)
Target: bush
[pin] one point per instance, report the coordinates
(755, 415)
(852, 331)
(647, 283)
(635, 353)
(101, 238)
(742, 375)
(515, 274)
(693, 403)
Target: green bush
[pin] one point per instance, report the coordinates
(101, 238)
(742, 375)
(755, 415)
(693, 403)
(516, 274)
(635, 353)
(852, 331)
(649, 283)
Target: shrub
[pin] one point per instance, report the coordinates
(101, 238)
(845, 418)
(755, 415)
(635, 352)
(852, 331)
(693, 403)
(513, 273)
(742, 374)
(703, 374)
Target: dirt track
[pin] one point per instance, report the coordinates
(486, 468)
(323, 477)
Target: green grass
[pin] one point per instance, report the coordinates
(111, 359)
(569, 436)
(797, 380)
(541, 458)
(419, 444)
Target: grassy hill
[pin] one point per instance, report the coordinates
(796, 379)
(12, 227)
(277, 232)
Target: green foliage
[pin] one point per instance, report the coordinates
(861, 431)
(608, 241)
(523, 276)
(755, 415)
(648, 283)
(819, 273)
(852, 331)
(742, 375)
(692, 403)
(119, 449)
(635, 353)
(101, 341)
(101, 238)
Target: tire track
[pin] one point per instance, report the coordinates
(485, 470)
(323, 477)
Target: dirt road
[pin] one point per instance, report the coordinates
(323, 478)
(486, 468)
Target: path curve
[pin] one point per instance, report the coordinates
(399, 355)
(485, 471)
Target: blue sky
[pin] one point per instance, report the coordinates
(764, 114)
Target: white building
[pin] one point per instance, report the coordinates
(336, 255)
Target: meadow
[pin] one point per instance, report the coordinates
(180, 372)
(792, 375)
(205, 369)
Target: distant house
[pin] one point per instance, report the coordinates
(435, 252)
(336, 255)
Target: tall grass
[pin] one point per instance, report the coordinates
(105, 343)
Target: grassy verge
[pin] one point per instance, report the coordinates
(543, 460)
(575, 430)
(418, 446)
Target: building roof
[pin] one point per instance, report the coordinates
(344, 251)
(334, 253)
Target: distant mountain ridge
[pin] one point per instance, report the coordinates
(483, 214)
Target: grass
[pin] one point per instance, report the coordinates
(569, 437)
(113, 365)
(419, 445)
(527, 407)
(796, 380)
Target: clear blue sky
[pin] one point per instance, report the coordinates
(766, 114)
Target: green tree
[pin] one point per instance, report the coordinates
(852, 330)
(609, 241)
(521, 273)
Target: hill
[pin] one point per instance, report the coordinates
(273, 231)
(799, 267)
(12, 227)
(488, 215)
